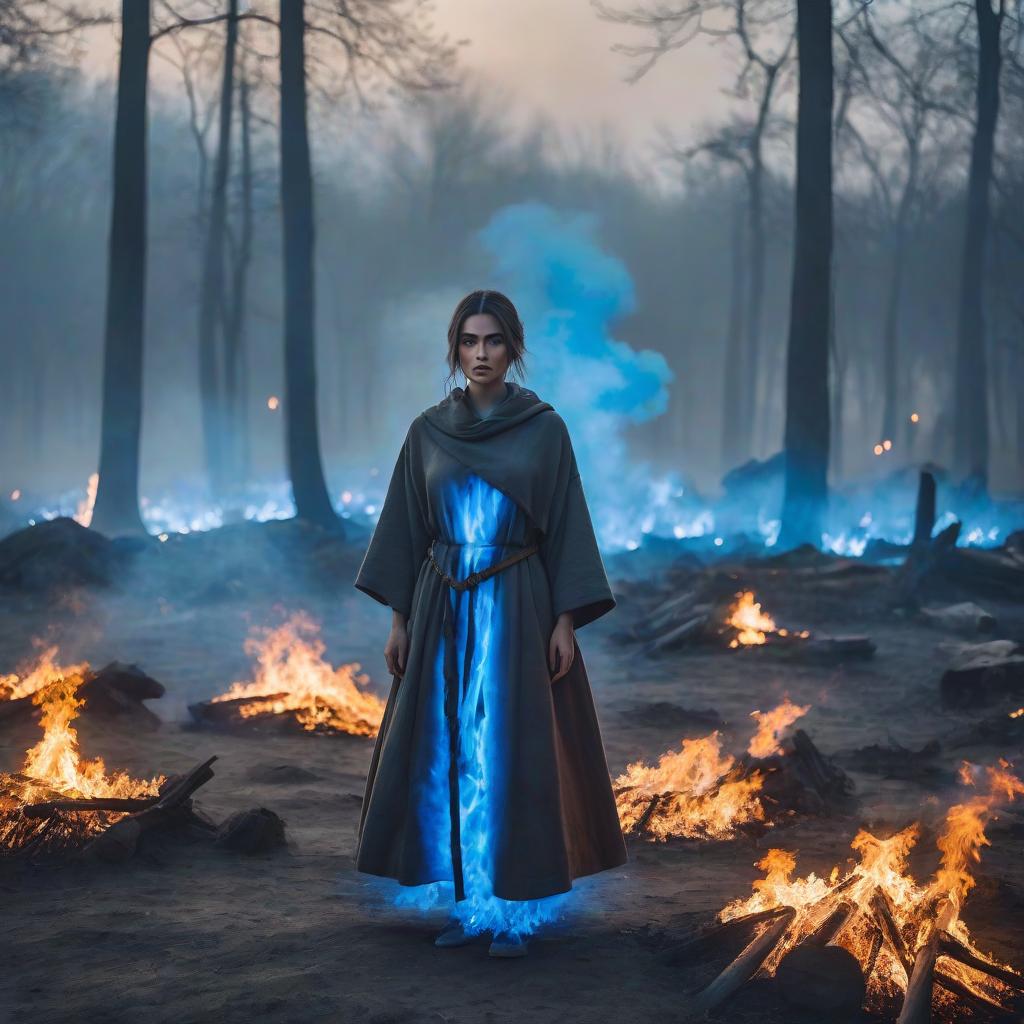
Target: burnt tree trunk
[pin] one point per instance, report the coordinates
(303, 436)
(211, 291)
(806, 442)
(970, 440)
(117, 499)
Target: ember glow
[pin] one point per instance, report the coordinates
(746, 617)
(699, 792)
(54, 769)
(292, 677)
(880, 914)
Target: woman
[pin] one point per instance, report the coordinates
(488, 772)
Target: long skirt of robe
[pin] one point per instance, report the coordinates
(535, 803)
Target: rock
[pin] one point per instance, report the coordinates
(966, 618)
(982, 673)
(257, 830)
(57, 554)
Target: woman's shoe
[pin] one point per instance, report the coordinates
(453, 934)
(507, 944)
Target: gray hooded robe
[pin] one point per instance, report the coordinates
(552, 811)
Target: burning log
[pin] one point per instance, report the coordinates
(699, 792)
(55, 774)
(870, 912)
(744, 967)
(295, 689)
(741, 624)
(110, 803)
(116, 690)
(118, 842)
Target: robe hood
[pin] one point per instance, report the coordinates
(456, 417)
(519, 436)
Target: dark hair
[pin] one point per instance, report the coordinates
(500, 307)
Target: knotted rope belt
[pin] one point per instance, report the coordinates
(451, 680)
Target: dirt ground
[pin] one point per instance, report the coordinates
(189, 932)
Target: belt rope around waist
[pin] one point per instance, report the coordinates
(451, 686)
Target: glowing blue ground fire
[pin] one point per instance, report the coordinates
(476, 515)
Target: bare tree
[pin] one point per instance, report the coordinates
(970, 392)
(117, 497)
(386, 40)
(807, 433)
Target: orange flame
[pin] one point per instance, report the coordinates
(747, 617)
(880, 876)
(41, 674)
(55, 759)
(698, 791)
(54, 768)
(83, 513)
(292, 676)
(771, 725)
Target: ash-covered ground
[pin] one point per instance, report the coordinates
(186, 931)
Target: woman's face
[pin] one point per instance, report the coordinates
(483, 354)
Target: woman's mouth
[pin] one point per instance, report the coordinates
(480, 369)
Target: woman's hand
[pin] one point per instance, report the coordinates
(397, 647)
(561, 647)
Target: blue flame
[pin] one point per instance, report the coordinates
(477, 517)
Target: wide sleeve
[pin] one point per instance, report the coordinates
(576, 573)
(399, 542)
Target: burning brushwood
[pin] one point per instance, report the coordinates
(60, 800)
(902, 937)
(700, 792)
(62, 804)
(295, 688)
(115, 690)
(737, 621)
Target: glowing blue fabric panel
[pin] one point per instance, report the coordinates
(481, 519)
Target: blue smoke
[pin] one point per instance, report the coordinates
(477, 515)
(569, 292)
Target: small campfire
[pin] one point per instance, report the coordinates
(753, 627)
(710, 616)
(59, 800)
(295, 689)
(62, 804)
(701, 792)
(871, 935)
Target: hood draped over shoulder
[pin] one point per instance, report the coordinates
(522, 447)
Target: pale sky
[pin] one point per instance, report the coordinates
(552, 56)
